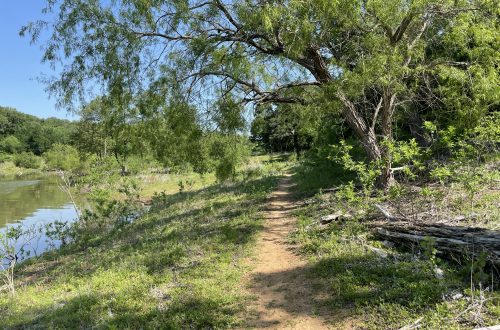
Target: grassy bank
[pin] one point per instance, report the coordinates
(181, 263)
(381, 286)
(177, 266)
(9, 169)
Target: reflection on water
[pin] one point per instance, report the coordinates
(34, 202)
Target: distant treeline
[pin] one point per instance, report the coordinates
(20, 132)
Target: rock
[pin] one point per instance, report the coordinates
(415, 189)
(308, 202)
(473, 216)
(439, 273)
(457, 296)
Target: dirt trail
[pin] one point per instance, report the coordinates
(279, 279)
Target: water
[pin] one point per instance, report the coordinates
(34, 201)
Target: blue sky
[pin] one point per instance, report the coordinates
(20, 62)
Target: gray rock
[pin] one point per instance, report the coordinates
(439, 273)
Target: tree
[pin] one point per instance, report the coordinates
(11, 145)
(27, 160)
(285, 127)
(35, 134)
(91, 135)
(369, 58)
(62, 157)
(106, 128)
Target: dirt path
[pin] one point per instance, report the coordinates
(279, 279)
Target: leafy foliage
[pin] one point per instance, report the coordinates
(27, 160)
(20, 132)
(62, 157)
(373, 62)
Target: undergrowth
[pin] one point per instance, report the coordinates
(177, 266)
(382, 285)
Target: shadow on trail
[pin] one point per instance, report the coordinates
(343, 284)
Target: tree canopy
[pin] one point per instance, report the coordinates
(21, 132)
(371, 60)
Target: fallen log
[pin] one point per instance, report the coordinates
(386, 213)
(324, 220)
(449, 241)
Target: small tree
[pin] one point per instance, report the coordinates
(62, 157)
(27, 160)
(229, 152)
(14, 246)
(11, 144)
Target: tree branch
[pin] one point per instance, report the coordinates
(375, 115)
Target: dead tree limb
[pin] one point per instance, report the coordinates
(449, 241)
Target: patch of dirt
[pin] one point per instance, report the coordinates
(279, 279)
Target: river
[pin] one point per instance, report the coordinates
(34, 201)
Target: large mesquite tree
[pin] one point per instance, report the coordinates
(370, 58)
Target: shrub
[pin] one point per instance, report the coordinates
(366, 172)
(229, 152)
(226, 170)
(62, 157)
(27, 160)
(137, 164)
(5, 157)
(11, 144)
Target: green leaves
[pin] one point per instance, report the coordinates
(377, 59)
(229, 115)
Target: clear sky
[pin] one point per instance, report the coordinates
(20, 62)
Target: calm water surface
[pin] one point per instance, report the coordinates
(34, 201)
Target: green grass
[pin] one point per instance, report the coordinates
(152, 184)
(178, 266)
(382, 293)
(9, 169)
(312, 177)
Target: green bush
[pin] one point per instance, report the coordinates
(27, 160)
(62, 157)
(229, 152)
(5, 157)
(137, 164)
(225, 170)
(11, 144)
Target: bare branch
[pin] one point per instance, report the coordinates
(375, 115)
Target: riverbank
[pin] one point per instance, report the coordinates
(177, 266)
(9, 169)
(198, 257)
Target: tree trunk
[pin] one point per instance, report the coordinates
(386, 178)
(366, 134)
(416, 126)
(296, 143)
